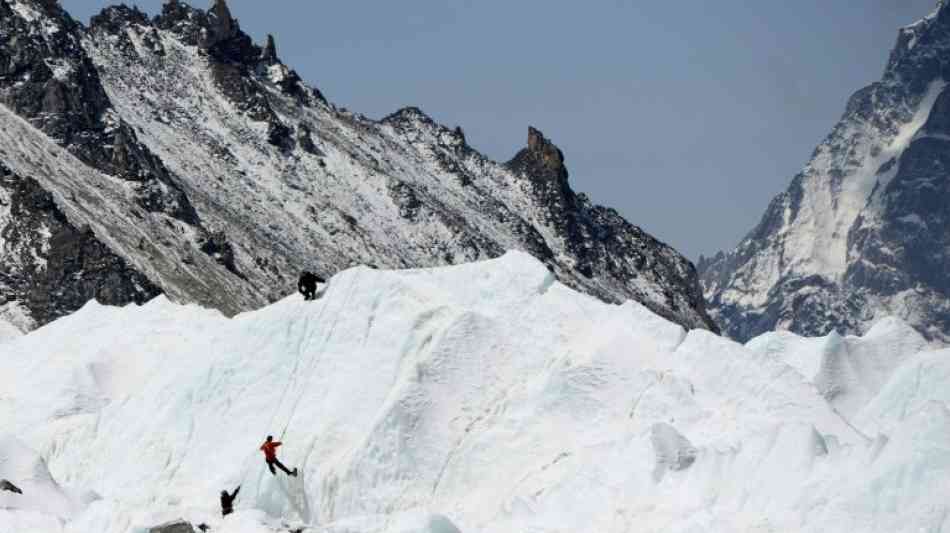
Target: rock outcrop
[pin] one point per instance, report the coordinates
(9, 487)
(178, 526)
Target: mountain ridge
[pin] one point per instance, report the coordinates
(228, 174)
(841, 247)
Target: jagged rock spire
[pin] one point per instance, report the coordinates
(544, 150)
(270, 50)
(542, 162)
(221, 11)
(223, 26)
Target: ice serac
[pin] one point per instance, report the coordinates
(37, 498)
(215, 174)
(474, 398)
(861, 232)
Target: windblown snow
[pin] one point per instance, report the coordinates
(476, 398)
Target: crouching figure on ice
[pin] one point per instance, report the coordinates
(307, 285)
(270, 455)
(227, 501)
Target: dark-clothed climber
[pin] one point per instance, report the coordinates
(227, 501)
(307, 285)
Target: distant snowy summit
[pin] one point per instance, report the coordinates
(173, 155)
(864, 230)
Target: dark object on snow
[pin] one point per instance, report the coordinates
(276, 462)
(10, 487)
(308, 285)
(227, 501)
(178, 526)
(270, 455)
(204, 527)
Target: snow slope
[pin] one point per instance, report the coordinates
(483, 397)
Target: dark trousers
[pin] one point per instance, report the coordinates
(270, 464)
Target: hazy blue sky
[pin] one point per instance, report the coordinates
(686, 116)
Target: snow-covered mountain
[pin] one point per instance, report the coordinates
(864, 230)
(484, 397)
(173, 155)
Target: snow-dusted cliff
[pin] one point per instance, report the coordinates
(195, 164)
(864, 230)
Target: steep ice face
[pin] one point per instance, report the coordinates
(223, 175)
(859, 234)
(848, 371)
(482, 397)
(40, 503)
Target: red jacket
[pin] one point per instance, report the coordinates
(270, 450)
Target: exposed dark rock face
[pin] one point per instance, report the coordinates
(69, 104)
(191, 25)
(217, 246)
(269, 56)
(222, 27)
(182, 124)
(861, 233)
(305, 140)
(179, 526)
(46, 78)
(9, 487)
(53, 268)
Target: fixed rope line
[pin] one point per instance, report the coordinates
(310, 367)
(293, 375)
(319, 353)
(293, 372)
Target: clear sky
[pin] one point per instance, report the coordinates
(685, 116)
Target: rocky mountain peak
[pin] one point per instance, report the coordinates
(544, 150)
(269, 55)
(222, 25)
(215, 31)
(410, 119)
(114, 18)
(542, 162)
(860, 233)
(189, 23)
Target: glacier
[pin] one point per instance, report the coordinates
(474, 398)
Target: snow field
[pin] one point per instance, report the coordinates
(477, 398)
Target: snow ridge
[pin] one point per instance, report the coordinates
(475, 398)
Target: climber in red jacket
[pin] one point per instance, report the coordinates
(270, 455)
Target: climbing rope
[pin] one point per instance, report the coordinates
(295, 372)
(319, 353)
